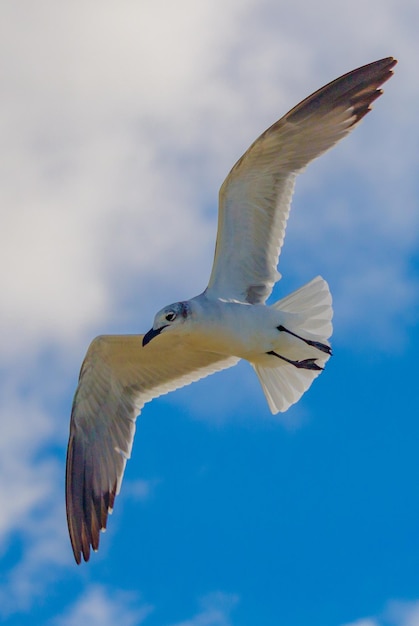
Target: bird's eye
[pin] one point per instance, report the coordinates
(170, 316)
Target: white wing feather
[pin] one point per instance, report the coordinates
(117, 378)
(255, 198)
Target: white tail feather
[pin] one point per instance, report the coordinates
(310, 316)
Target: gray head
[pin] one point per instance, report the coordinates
(171, 316)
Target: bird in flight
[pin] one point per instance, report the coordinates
(287, 343)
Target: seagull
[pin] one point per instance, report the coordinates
(287, 342)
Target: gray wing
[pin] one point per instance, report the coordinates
(255, 198)
(117, 377)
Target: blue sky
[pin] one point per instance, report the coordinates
(118, 123)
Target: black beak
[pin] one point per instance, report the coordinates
(151, 334)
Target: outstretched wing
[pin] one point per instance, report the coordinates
(117, 378)
(255, 198)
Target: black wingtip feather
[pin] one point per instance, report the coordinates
(73, 508)
(360, 88)
(87, 511)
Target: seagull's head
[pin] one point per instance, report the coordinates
(170, 317)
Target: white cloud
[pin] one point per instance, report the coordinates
(112, 151)
(363, 622)
(140, 489)
(32, 487)
(403, 613)
(396, 613)
(215, 611)
(25, 430)
(100, 606)
(42, 536)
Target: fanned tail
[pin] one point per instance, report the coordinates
(309, 315)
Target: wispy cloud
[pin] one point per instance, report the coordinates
(97, 162)
(32, 486)
(100, 606)
(363, 622)
(397, 613)
(215, 611)
(140, 489)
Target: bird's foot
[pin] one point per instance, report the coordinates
(316, 344)
(306, 364)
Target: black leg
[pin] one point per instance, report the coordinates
(307, 364)
(316, 344)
